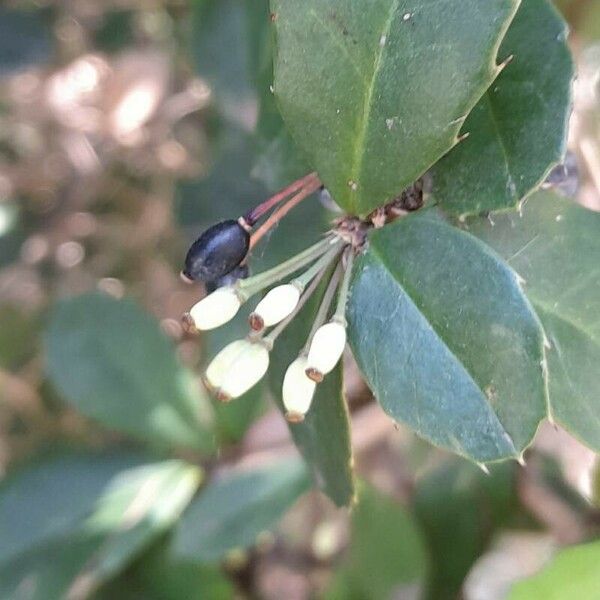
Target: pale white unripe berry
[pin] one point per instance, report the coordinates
(216, 309)
(237, 368)
(278, 304)
(298, 390)
(220, 364)
(326, 349)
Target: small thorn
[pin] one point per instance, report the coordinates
(484, 468)
(462, 137)
(294, 417)
(505, 63)
(314, 374)
(552, 421)
(521, 460)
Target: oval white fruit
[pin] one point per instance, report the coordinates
(278, 304)
(326, 349)
(298, 390)
(216, 309)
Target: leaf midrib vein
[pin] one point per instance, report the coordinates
(356, 167)
(494, 119)
(546, 308)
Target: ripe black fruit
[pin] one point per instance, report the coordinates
(240, 272)
(217, 251)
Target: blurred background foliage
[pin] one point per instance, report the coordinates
(126, 127)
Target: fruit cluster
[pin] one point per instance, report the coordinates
(219, 257)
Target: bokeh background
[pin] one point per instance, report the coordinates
(126, 127)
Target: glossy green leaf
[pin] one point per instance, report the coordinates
(231, 512)
(573, 573)
(459, 508)
(446, 339)
(91, 513)
(324, 436)
(111, 362)
(375, 93)
(387, 555)
(517, 131)
(555, 247)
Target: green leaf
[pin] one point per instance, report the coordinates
(376, 93)
(573, 573)
(37, 503)
(91, 513)
(278, 160)
(517, 131)
(46, 573)
(387, 553)
(459, 508)
(112, 363)
(135, 508)
(219, 45)
(231, 512)
(555, 247)
(324, 436)
(158, 576)
(446, 339)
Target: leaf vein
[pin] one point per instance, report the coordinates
(356, 167)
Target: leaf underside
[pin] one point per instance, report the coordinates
(554, 245)
(446, 339)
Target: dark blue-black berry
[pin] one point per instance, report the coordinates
(240, 272)
(219, 250)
